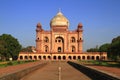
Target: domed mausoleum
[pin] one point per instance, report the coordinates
(60, 43)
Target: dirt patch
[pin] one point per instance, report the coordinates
(12, 69)
(112, 70)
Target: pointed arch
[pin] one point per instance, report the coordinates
(46, 48)
(73, 48)
(73, 39)
(46, 39)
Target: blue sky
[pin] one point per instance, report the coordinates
(100, 18)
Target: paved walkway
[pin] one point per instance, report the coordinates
(52, 71)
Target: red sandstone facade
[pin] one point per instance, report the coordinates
(60, 43)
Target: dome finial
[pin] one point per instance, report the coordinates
(59, 10)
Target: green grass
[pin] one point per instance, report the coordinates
(11, 63)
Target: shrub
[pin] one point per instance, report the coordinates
(10, 63)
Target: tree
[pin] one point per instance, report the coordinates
(104, 47)
(114, 50)
(10, 46)
(27, 49)
(96, 49)
(3, 50)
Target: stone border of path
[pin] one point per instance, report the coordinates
(17, 75)
(93, 73)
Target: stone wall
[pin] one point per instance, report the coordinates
(93, 73)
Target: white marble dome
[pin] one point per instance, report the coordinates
(59, 20)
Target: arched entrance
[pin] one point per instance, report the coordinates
(59, 49)
(54, 57)
(21, 57)
(69, 57)
(59, 44)
(64, 57)
(59, 57)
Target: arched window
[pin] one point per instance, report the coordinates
(46, 48)
(80, 38)
(59, 40)
(59, 49)
(72, 39)
(38, 38)
(46, 39)
(73, 48)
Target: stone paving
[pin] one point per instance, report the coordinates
(51, 72)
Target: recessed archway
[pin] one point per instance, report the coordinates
(39, 57)
(74, 57)
(93, 57)
(88, 57)
(97, 58)
(59, 43)
(79, 57)
(69, 57)
(35, 57)
(44, 57)
(59, 49)
(64, 57)
(21, 57)
(83, 57)
(54, 57)
(26, 57)
(59, 57)
(30, 57)
(49, 57)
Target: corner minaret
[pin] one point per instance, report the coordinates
(80, 37)
(38, 37)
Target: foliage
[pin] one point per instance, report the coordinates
(10, 63)
(27, 49)
(93, 49)
(104, 47)
(9, 47)
(114, 49)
